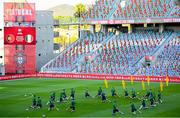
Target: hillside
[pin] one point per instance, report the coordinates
(63, 10)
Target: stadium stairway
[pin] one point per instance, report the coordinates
(113, 10)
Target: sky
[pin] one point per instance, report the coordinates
(44, 4)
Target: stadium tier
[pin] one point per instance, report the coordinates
(132, 9)
(167, 61)
(120, 54)
(69, 58)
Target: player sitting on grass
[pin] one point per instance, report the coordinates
(152, 101)
(103, 97)
(87, 93)
(34, 102)
(113, 92)
(126, 94)
(39, 103)
(116, 109)
(149, 94)
(159, 97)
(133, 109)
(133, 94)
(72, 105)
(72, 93)
(99, 92)
(143, 105)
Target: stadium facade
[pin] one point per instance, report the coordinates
(44, 36)
(28, 38)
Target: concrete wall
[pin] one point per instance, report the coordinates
(44, 37)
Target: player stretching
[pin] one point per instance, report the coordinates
(103, 97)
(87, 93)
(126, 94)
(39, 103)
(113, 92)
(133, 109)
(159, 97)
(64, 94)
(99, 92)
(133, 94)
(51, 105)
(34, 102)
(116, 109)
(152, 101)
(143, 105)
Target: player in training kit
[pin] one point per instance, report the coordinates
(103, 97)
(87, 93)
(53, 96)
(113, 92)
(61, 98)
(149, 94)
(159, 97)
(152, 101)
(126, 94)
(99, 92)
(39, 103)
(72, 93)
(72, 105)
(143, 105)
(133, 109)
(52, 105)
(116, 109)
(34, 102)
(64, 94)
(133, 94)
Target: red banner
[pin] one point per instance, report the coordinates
(19, 35)
(19, 12)
(93, 77)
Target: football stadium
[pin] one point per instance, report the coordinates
(109, 58)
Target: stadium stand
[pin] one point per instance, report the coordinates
(100, 10)
(125, 53)
(121, 54)
(132, 9)
(67, 60)
(167, 62)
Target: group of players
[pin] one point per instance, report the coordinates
(37, 103)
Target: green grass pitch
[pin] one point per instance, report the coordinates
(13, 101)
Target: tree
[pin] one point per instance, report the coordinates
(80, 9)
